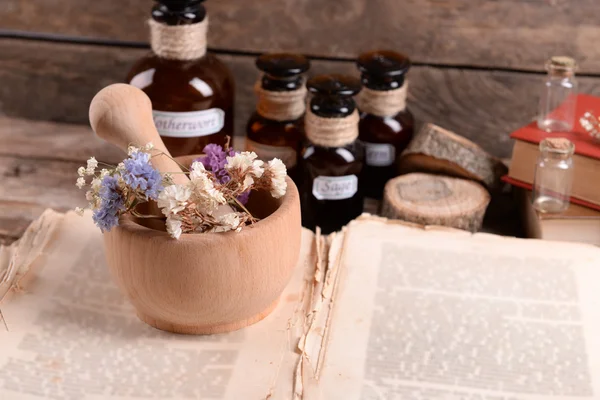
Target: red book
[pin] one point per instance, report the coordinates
(586, 189)
(585, 145)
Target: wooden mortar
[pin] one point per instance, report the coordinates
(202, 283)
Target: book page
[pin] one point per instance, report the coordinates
(443, 314)
(70, 334)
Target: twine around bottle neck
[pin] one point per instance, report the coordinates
(280, 106)
(178, 42)
(383, 103)
(331, 132)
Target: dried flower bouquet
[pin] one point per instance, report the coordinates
(212, 201)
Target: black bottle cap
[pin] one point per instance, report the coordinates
(282, 71)
(179, 5)
(282, 65)
(332, 95)
(179, 12)
(383, 69)
(334, 85)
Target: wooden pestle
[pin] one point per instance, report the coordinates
(122, 115)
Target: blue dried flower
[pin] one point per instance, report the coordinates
(107, 215)
(140, 175)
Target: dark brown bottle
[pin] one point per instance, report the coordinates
(386, 125)
(276, 128)
(192, 92)
(332, 159)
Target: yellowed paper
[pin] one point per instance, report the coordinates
(440, 314)
(71, 335)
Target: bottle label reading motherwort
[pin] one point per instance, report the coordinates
(189, 124)
(335, 187)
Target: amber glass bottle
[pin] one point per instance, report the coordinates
(276, 128)
(386, 125)
(192, 92)
(332, 159)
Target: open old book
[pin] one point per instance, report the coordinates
(382, 310)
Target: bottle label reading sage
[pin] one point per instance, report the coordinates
(266, 152)
(335, 187)
(189, 124)
(380, 154)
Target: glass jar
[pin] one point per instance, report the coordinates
(559, 96)
(276, 128)
(192, 92)
(553, 176)
(332, 159)
(386, 125)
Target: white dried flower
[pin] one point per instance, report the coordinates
(81, 171)
(197, 169)
(104, 172)
(149, 146)
(79, 211)
(174, 227)
(248, 181)
(120, 167)
(131, 150)
(80, 182)
(96, 183)
(245, 162)
(92, 163)
(228, 222)
(173, 199)
(89, 195)
(206, 197)
(277, 172)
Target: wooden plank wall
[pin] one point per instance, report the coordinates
(478, 66)
(478, 63)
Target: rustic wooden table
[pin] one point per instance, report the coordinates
(38, 163)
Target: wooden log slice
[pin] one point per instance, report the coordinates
(428, 199)
(438, 150)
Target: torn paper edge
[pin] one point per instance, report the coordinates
(17, 259)
(318, 318)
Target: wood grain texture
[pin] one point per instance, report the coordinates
(437, 150)
(38, 162)
(428, 199)
(518, 34)
(48, 81)
(211, 282)
(121, 114)
(51, 140)
(38, 170)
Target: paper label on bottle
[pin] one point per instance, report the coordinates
(189, 124)
(335, 187)
(380, 154)
(267, 152)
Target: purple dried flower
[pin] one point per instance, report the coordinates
(140, 175)
(214, 160)
(112, 202)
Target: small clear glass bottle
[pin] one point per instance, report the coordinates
(553, 176)
(559, 96)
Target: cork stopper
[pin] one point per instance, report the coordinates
(560, 146)
(561, 66)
